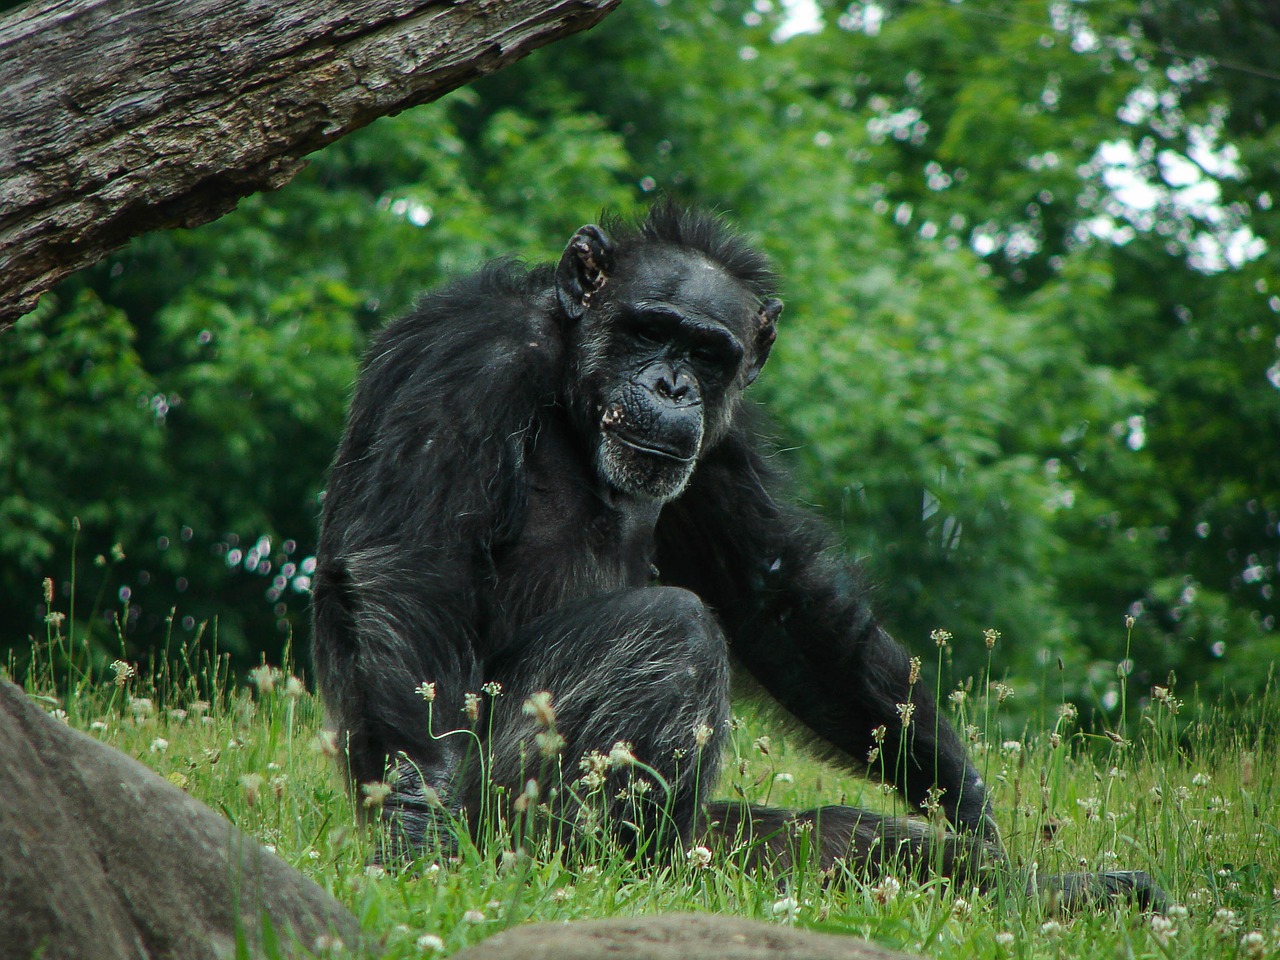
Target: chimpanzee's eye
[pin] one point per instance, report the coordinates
(650, 329)
(708, 355)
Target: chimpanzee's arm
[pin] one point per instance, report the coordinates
(427, 482)
(798, 619)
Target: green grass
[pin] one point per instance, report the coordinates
(1186, 792)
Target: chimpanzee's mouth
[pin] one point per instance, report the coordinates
(650, 450)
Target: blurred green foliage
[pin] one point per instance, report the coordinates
(1030, 365)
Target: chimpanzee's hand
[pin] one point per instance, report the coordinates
(1068, 893)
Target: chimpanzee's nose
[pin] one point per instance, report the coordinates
(673, 384)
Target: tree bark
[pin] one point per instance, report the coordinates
(123, 116)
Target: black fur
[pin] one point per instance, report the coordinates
(528, 454)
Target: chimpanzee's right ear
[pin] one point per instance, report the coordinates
(766, 333)
(583, 270)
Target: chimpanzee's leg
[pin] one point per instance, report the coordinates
(640, 673)
(868, 844)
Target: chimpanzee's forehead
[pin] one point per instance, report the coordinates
(687, 281)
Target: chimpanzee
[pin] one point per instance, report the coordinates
(549, 484)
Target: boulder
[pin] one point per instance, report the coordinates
(673, 937)
(101, 858)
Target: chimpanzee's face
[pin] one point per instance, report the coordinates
(668, 344)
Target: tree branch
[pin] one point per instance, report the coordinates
(123, 116)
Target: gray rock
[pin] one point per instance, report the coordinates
(101, 859)
(673, 937)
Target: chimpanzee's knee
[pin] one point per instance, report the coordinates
(671, 628)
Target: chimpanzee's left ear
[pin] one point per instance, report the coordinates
(766, 333)
(584, 268)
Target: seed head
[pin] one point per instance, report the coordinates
(699, 857)
(471, 706)
(702, 734)
(905, 710)
(375, 794)
(549, 743)
(621, 755)
(1163, 929)
(1253, 945)
(762, 744)
(886, 891)
(539, 707)
(264, 678)
(1224, 922)
(48, 590)
(252, 784)
(786, 908)
(941, 637)
(1116, 738)
(932, 804)
(493, 688)
(427, 691)
(326, 743)
(328, 946)
(989, 637)
(594, 766)
(124, 672)
(528, 797)
(638, 787)
(914, 673)
(1165, 695)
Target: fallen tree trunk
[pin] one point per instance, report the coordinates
(123, 116)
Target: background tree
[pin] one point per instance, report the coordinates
(1029, 363)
